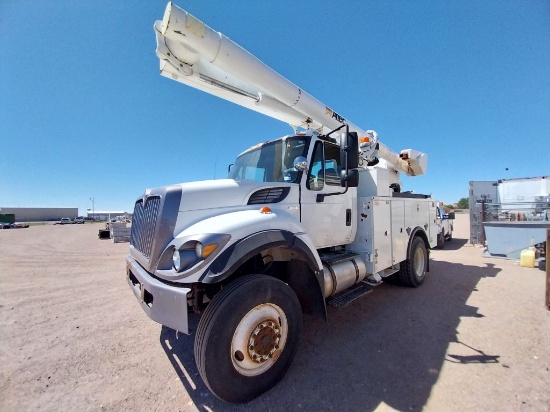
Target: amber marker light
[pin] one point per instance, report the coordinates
(265, 210)
(365, 140)
(203, 251)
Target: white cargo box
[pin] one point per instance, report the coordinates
(385, 224)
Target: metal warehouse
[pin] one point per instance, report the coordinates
(38, 214)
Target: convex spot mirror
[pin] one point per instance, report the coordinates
(300, 164)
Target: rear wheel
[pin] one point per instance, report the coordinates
(247, 337)
(413, 270)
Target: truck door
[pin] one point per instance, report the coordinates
(332, 220)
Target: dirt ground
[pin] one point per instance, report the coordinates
(475, 336)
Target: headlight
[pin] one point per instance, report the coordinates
(176, 260)
(188, 253)
(203, 251)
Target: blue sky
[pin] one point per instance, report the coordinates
(85, 114)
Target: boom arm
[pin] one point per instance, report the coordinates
(194, 54)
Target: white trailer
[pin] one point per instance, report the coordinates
(314, 218)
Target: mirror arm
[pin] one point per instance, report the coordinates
(321, 196)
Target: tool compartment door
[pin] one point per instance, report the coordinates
(400, 237)
(382, 234)
(421, 213)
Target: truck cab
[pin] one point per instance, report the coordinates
(273, 194)
(328, 222)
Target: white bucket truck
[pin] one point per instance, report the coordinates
(305, 220)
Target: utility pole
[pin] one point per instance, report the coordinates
(93, 207)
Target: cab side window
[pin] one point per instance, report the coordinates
(332, 164)
(315, 177)
(325, 166)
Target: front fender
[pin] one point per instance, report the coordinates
(239, 226)
(239, 252)
(307, 284)
(251, 233)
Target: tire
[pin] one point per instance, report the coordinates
(450, 235)
(441, 240)
(413, 270)
(247, 337)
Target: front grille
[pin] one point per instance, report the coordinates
(271, 195)
(143, 224)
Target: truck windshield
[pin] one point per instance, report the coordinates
(271, 161)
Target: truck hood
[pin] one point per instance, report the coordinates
(217, 194)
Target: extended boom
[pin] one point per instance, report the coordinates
(196, 55)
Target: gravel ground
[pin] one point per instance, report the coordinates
(475, 336)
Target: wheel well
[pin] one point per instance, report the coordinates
(419, 232)
(288, 265)
(277, 253)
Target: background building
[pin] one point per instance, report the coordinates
(39, 214)
(107, 215)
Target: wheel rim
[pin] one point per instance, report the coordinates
(419, 262)
(259, 339)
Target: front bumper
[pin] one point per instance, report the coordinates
(163, 303)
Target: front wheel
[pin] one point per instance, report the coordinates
(413, 270)
(247, 337)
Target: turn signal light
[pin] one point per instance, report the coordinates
(203, 251)
(364, 139)
(265, 210)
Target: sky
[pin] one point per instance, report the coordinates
(84, 113)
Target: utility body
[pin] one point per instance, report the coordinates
(313, 218)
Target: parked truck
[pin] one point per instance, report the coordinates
(445, 222)
(303, 221)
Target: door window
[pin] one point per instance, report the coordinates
(325, 166)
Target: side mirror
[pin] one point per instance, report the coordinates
(349, 178)
(451, 215)
(349, 146)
